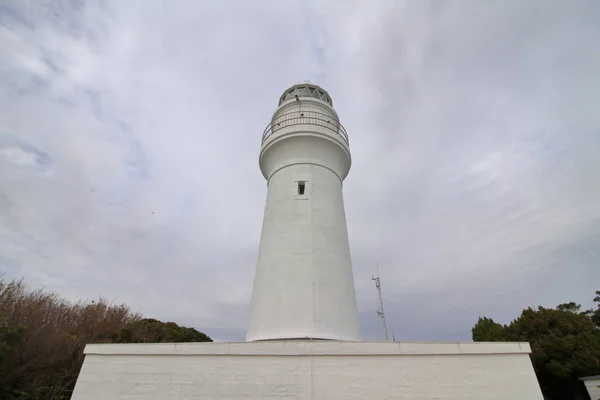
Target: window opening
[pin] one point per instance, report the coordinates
(301, 187)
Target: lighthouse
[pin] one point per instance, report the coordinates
(304, 285)
(303, 339)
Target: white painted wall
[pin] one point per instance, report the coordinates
(308, 370)
(592, 384)
(304, 285)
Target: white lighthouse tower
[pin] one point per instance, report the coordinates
(304, 286)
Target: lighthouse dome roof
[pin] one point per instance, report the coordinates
(306, 89)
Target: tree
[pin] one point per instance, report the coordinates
(42, 338)
(570, 307)
(565, 345)
(149, 330)
(595, 314)
(486, 330)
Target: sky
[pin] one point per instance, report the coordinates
(130, 133)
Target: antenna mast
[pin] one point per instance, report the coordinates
(380, 311)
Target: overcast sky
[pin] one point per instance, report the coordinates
(130, 132)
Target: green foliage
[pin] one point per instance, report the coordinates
(150, 330)
(595, 314)
(10, 335)
(571, 307)
(565, 345)
(486, 330)
(42, 337)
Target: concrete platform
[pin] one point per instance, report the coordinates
(592, 384)
(303, 370)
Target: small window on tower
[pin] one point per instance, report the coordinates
(301, 187)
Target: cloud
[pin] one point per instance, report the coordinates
(129, 138)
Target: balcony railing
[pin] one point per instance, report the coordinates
(305, 118)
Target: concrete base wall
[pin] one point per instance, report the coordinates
(592, 384)
(302, 370)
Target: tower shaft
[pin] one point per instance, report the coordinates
(304, 286)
